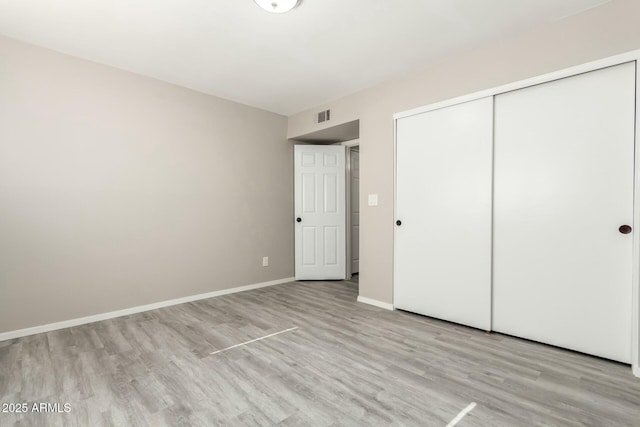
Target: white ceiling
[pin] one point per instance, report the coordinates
(322, 50)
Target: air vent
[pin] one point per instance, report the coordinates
(324, 116)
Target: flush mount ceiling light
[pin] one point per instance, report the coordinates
(277, 6)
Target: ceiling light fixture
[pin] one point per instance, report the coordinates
(277, 6)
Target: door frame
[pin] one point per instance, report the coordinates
(347, 182)
(556, 75)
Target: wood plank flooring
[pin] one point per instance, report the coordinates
(347, 364)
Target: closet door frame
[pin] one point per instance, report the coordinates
(633, 56)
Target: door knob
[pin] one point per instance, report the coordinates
(625, 229)
(298, 219)
(398, 222)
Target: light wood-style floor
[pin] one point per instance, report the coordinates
(346, 364)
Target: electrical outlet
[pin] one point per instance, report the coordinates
(265, 261)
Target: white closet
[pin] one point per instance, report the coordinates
(513, 210)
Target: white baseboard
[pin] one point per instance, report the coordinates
(636, 371)
(375, 303)
(132, 310)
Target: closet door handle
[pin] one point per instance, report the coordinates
(625, 229)
(398, 223)
(298, 219)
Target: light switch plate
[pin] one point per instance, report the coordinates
(372, 200)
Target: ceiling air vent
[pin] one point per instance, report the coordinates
(324, 116)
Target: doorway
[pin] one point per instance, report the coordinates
(327, 207)
(327, 211)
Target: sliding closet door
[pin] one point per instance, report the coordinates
(564, 158)
(443, 206)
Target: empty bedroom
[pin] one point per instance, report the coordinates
(319, 213)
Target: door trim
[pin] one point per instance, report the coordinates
(635, 288)
(347, 182)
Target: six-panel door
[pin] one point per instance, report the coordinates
(320, 240)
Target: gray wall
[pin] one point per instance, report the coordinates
(118, 190)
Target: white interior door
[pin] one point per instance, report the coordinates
(320, 240)
(564, 159)
(355, 211)
(443, 200)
